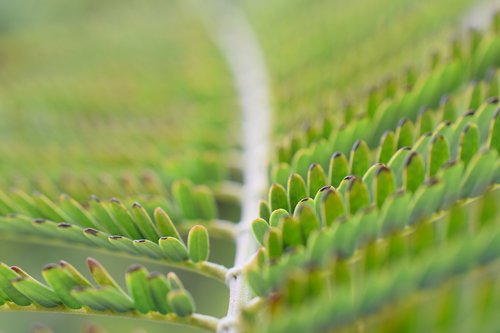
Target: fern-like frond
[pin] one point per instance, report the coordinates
(149, 295)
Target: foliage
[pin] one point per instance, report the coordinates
(381, 215)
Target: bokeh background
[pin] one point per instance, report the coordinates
(97, 94)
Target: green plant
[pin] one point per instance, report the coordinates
(380, 217)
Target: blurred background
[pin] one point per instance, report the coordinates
(97, 97)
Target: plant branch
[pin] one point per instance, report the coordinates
(205, 322)
(238, 44)
(205, 268)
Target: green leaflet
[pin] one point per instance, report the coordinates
(469, 143)
(359, 160)
(166, 227)
(439, 154)
(276, 216)
(278, 198)
(274, 243)
(405, 134)
(173, 249)
(62, 283)
(316, 178)
(339, 168)
(296, 189)
(198, 243)
(138, 288)
(414, 172)
(357, 195)
(144, 222)
(259, 229)
(181, 302)
(159, 287)
(34, 290)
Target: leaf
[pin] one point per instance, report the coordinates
(183, 195)
(264, 210)
(276, 217)
(316, 178)
(291, 232)
(62, 283)
(259, 229)
(144, 222)
(296, 190)
(469, 143)
(278, 198)
(274, 243)
(12, 294)
(173, 249)
(339, 168)
(307, 219)
(387, 147)
(357, 195)
(160, 287)
(138, 288)
(181, 302)
(330, 206)
(439, 154)
(405, 133)
(359, 160)
(198, 243)
(384, 185)
(34, 290)
(414, 172)
(165, 225)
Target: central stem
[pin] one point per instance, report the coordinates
(240, 47)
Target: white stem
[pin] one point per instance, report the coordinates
(240, 48)
(479, 17)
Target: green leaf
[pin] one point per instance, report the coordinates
(100, 274)
(291, 231)
(103, 216)
(6, 276)
(76, 212)
(34, 290)
(425, 122)
(123, 220)
(494, 133)
(259, 229)
(278, 198)
(316, 178)
(173, 249)
(396, 164)
(183, 195)
(339, 168)
(148, 248)
(359, 160)
(307, 219)
(165, 225)
(296, 190)
(160, 287)
(387, 147)
(276, 216)
(439, 154)
(181, 302)
(144, 222)
(414, 172)
(405, 133)
(62, 284)
(469, 143)
(330, 206)
(274, 243)
(264, 210)
(205, 203)
(198, 243)
(138, 287)
(357, 195)
(384, 185)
